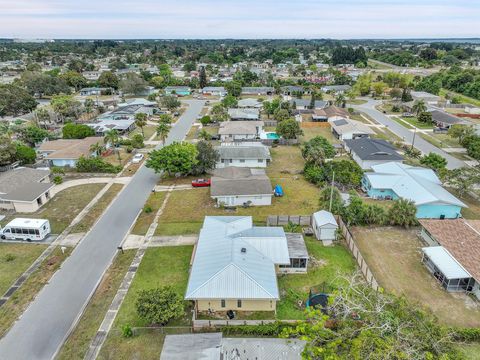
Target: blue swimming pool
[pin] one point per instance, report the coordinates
(272, 135)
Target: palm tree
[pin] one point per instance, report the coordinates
(403, 213)
(419, 107)
(97, 148)
(204, 135)
(112, 137)
(166, 119)
(340, 100)
(162, 131)
(141, 121)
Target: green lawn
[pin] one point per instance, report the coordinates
(325, 131)
(398, 120)
(186, 210)
(64, 206)
(79, 340)
(386, 135)
(326, 264)
(20, 300)
(97, 210)
(463, 98)
(160, 266)
(14, 260)
(144, 220)
(148, 130)
(414, 121)
(470, 351)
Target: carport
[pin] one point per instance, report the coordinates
(448, 271)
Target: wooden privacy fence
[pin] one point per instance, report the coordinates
(352, 246)
(280, 220)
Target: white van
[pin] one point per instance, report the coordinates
(26, 229)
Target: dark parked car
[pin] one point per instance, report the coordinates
(201, 183)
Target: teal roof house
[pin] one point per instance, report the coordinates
(395, 180)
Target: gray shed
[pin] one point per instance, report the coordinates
(325, 226)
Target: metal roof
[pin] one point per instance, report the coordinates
(228, 266)
(243, 152)
(445, 262)
(296, 246)
(324, 217)
(192, 347)
(418, 184)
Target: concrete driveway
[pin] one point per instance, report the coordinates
(402, 132)
(44, 326)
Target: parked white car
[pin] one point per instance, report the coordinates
(137, 158)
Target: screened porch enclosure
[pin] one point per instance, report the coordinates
(451, 275)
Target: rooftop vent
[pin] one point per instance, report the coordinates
(244, 250)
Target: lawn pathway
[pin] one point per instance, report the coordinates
(106, 325)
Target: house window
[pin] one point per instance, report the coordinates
(242, 160)
(239, 303)
(260, 160)
(222, 303)
(223, 160)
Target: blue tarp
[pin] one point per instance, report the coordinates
(278, 190)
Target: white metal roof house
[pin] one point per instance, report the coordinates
(395, 180)
(425, 96)
(238, 154)
(234, 265)
(238, 186)
(369, 152)
(325, 226)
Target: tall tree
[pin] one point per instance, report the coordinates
(289, 129)
(133, 84)
(202, 77)
(108, 79)
(14, 100)
(419, 107)
(176, 158)
(206, 159)
(163, 130)
(141, 121)
(113, 138)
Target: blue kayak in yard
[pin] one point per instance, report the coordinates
(278, 191)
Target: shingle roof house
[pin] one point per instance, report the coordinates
(454, 251)
(243, 156)
(445, 120)
(24, 189)
(345, 129)
(245, 114)
(240, 130)
(395, 180)
(368, 152)
(236, 186)
(234, 265)
(66, 152)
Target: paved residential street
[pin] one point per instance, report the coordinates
(45, 324)
(402, 132)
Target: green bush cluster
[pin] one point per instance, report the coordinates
(96, 164)
(272, 329)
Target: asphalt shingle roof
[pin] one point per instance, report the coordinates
(373, 149)
(233, 180)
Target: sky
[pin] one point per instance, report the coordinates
(246, 19)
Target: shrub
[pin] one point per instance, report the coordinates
(137, 141)
(57, 180)
(403, 213)
(25, 154)
(272, 329)
(147, 209)
(127, 331)
(77, 131)
(125, 142)
(9, 257)
(159, 305)
(129, 149)
(205, 120)
(58, 170)
(466, 334)
(292, 228)
(96, 164)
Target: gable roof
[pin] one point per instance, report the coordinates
(335, 111)
(69, 148)
(373, 149)
(233, 180)
(446, 118)
(461, 238)
(243, 113)
(418, 184)
(239, 127)
(249, 103)
(319, 104)
(346, 126)
(324, 217)
(243, 152)
(227, 266)
(23, 184)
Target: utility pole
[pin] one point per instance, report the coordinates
(414, 133)
(331, 191)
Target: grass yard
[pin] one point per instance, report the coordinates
(144, 220)
(192, 133)
(386, 135)
(79, 340)
(159, 267)
(186, 209)
(113, 157)
(394, 256)
(63, 207)
(148, 130)
(14, 260)
(463, 98)
(473, 210)
(97, 210)
(356, 102)
(20, 300)
(470, 351)
(326, 263)
(398, 120)
(325, 131)
(441, 140)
